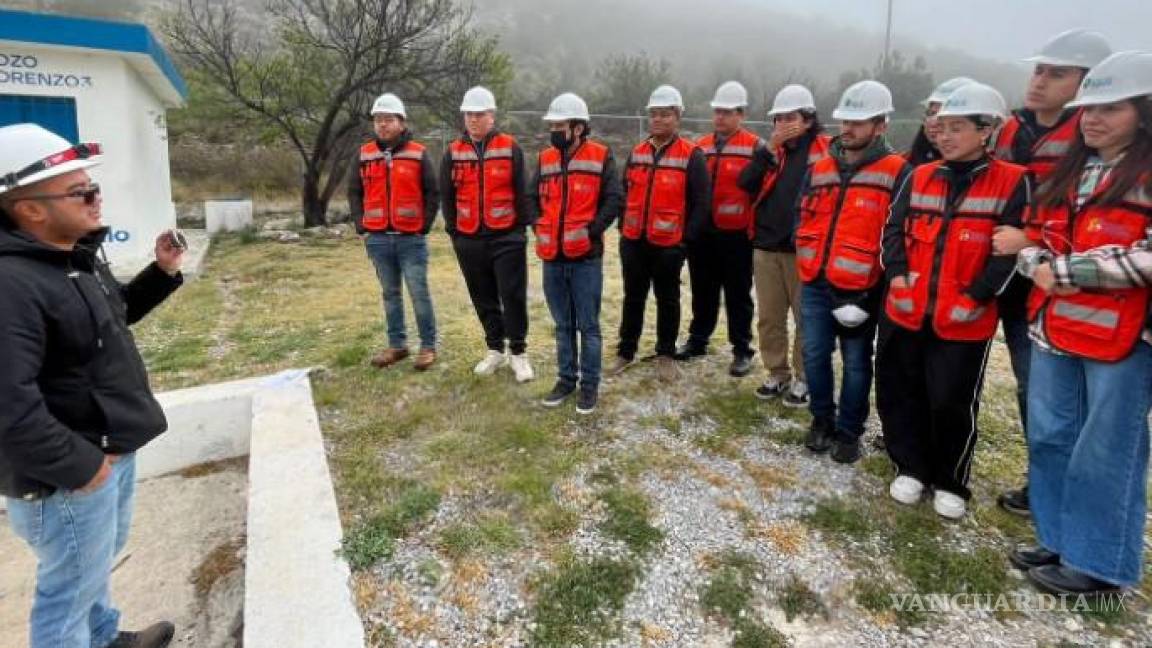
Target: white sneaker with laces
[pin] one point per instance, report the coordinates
(906, 490)
(797, 395)
(949, 505)
(521, 368)
(491, 362)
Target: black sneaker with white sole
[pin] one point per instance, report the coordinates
(559, 393)
(771, 388)
(797, 394)
(586, 404)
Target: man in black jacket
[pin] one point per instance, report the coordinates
(77, 404)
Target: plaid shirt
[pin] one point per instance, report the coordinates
(1108, 267)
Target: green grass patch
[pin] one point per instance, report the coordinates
(838, 518)
(490, 534)
(729, 591)
(750, 633)
(627, 520)
(878, 597)
(374, 540)
(796, 599)
(931, 568)
(579, 603)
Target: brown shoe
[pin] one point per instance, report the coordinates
(425, 359)
(621, 365)
(666, 369)
(388, 357)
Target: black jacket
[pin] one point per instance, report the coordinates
(73, 383)
(775, 215)
(519, 184)
(430, 188)
(608, 204)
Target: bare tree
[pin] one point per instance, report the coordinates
(310, 69)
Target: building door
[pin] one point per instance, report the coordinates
(57, 114)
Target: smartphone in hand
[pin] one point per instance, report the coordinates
(177, 240)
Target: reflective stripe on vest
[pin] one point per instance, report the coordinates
(1108, 319)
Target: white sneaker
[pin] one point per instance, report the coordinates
(491, 362)
(521, 368)
(906, 490)
(797, 395)
(949, 505)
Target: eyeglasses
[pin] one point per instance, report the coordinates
(87, 194)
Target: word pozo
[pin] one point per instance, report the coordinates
(22, 69)
(1011, 602)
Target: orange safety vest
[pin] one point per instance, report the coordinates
(569, 198)
(817, 151)
(842, 222)
(393, 188)
(1101, 325)
(484, 188)
(731, 205)
(657, 203)
(948, 247)
(1046, 151)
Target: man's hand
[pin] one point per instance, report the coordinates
(784, 133)
(169, 255)
(1009, 240)
(1045, 279)
(102, 475)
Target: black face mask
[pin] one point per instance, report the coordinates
(560, 140)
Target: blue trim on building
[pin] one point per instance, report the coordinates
(91, 33)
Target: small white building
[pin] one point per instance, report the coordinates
(99, 81)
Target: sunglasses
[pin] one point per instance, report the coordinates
(87, 194)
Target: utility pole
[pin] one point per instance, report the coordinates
(887, 39)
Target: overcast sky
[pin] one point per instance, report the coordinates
(1002, 29)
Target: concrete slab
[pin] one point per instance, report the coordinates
(182, 527)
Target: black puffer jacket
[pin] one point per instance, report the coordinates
(74, 386)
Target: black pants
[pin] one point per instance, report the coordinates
(657, 268)
(928, 396)
(496, 271)
(721, 262)
(1013, 308)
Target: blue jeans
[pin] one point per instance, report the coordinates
(573, 290)
(1088, 460)
(76, 537)
(821, 334)
(404, 259)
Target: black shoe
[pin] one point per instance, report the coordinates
(587, 402)
(845, 450)
(1025, 559)
(559, 393)
(1061, 580)
(688, 351)
(1015, 502)
(819, 435)
(155, 636)
(741, 366)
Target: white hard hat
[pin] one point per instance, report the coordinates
(850, 315)
(1123, 75)
(666, 97)
(566, 107)
(792, 98)
(864, 100)
(30, 153)
(973, 100)
(390, 104)
(730, 96)
(478, 99)
(1076, 48)
(944, 89)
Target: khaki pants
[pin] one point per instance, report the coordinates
(777, 291)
